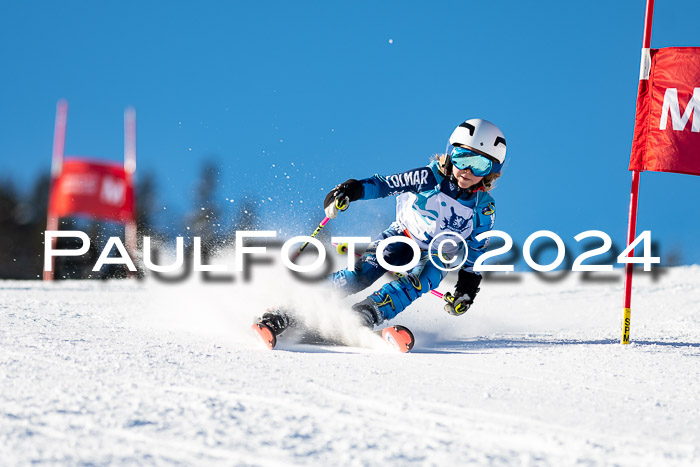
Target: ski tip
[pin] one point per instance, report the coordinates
(399, 337)
(265, 334)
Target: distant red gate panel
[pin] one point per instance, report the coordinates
(96, 189)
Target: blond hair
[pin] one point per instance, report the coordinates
(487, 183)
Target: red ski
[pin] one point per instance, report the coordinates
(400, 338)
(265, 334)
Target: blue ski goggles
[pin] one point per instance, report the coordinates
(467, 159)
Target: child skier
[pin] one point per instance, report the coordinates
(450, 197)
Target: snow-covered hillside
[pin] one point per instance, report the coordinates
(148, 373)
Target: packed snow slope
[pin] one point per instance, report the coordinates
(135, 372)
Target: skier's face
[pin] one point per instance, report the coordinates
(465, 178)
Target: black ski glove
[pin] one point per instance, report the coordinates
(465, 293)
(341, 196)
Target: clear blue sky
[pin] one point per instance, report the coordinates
(326, 91)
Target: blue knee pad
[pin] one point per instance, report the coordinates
(367, 270)
(395, 296)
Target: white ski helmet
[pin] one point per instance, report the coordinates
(483, 137)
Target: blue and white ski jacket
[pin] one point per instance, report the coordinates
(430, 203)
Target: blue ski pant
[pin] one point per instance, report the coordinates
(392, 298)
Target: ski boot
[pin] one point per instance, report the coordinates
(368, 312)
(399, 337)
(271, 325)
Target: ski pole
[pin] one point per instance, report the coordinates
(343, 248)
(341, 205)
